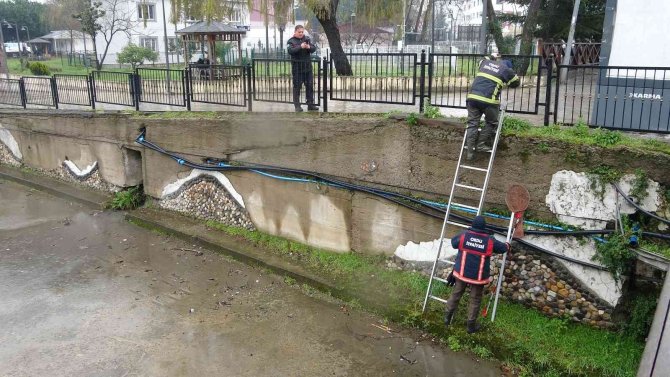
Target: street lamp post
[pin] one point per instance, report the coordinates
(25, 28)
(3, 57)
(351, 28)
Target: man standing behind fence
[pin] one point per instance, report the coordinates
(484, 98)
(300, 48)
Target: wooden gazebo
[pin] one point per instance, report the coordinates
(211, 32)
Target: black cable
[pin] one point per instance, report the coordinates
(632, 202)
(215, 165)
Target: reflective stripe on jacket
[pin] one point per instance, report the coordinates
(473, 261)
(490, 79)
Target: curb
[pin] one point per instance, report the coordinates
(139, 218)
(55, 187)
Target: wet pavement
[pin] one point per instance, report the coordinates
(85, 293)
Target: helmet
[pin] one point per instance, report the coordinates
(494, 56)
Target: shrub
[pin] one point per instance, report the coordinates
(431, 112)
(128, 199)
(136, 55)
(641, 316)
(511, 124)
(606, 138)
(39, 69)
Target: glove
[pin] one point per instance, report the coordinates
(451, 280)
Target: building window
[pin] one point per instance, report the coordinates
(146, 12)
(173, 44)
(149, 42)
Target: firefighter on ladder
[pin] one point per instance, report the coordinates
(472, 268)
(484, 98)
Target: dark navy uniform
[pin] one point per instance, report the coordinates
(301, 70)
(484, 99)
(472, 269)
(473, 262)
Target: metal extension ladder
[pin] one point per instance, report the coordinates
(458, 186)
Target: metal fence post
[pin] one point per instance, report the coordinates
(91, 89)
(54, 91)
(135, 87)
(22, 92)
(547, 99)
(422, 80)
(186, 83)
(325, 84)
(249, 89)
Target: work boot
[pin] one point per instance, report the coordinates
(298, 109)
(312, 107)
(482, 147)
(473, 327)
(448, 316)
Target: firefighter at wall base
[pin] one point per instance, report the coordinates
(300, 47)
(484, 98)
(475, 247)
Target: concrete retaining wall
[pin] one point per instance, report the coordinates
(368, 150)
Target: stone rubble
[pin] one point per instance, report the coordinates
(7, 158)
(205, 198)
(537, 282)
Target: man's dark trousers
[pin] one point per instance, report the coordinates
(476, 293)
(302, 73)
(491, 113)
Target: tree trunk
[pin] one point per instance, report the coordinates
(418, 16)
(495, 29)
(329, 24)
(529, 27)
(98, 63)
(408, 14)
(4, 70)
(426, 21)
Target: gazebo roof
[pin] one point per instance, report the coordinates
(39, 41)
(214, 27)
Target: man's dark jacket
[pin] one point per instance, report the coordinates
(299, 54)
(491, 78)
(475, 247)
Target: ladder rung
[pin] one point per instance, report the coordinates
(446, 261)
(464, 206)
(438, 299)
(469, 187)
(440, 279)
(457, 224)
(474, 168)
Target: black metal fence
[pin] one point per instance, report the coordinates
(452, 74)
(117, 88)
(630, 98)
(626, 98)
(217, 84)
(74, 90)
(12, 92)
(161, 86)
(273, 80)
(376, 77)
(40, 90)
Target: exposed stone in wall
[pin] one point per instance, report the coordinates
(7, 158)
(577, 200)
(555, 287)
(540, 282)
(8, 141)
(89, 176)
(204, 197)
